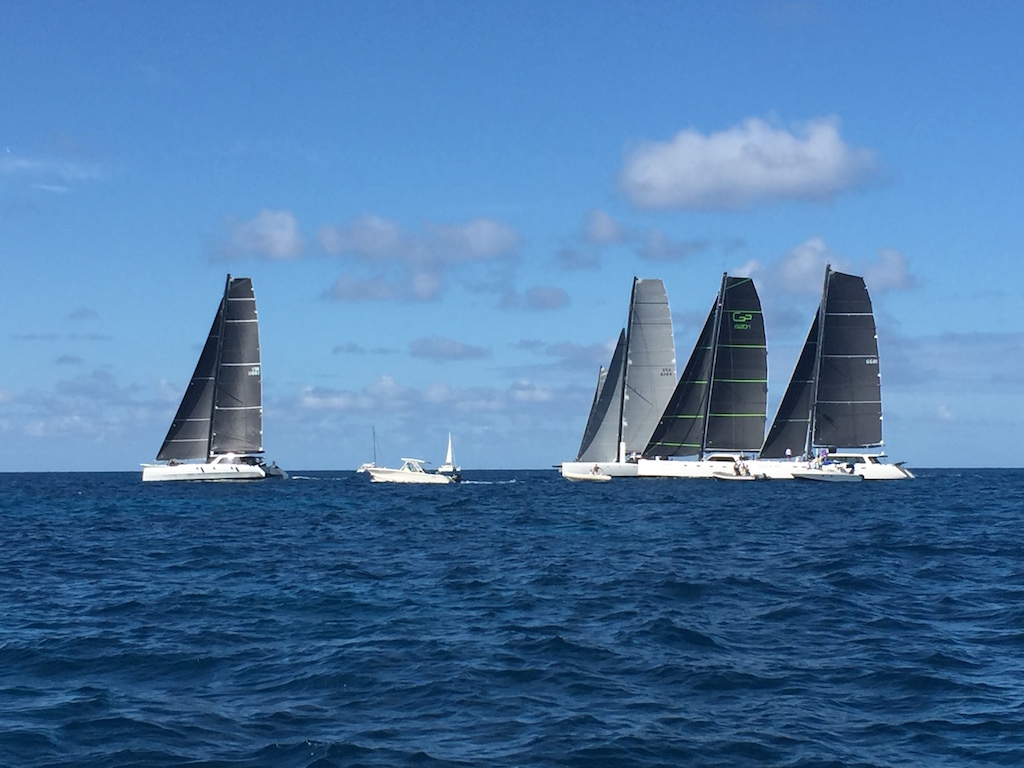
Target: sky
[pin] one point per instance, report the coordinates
(442, 206)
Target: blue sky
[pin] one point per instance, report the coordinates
(442, 206)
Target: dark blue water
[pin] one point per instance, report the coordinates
(520, 620)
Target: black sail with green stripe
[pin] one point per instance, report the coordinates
(739, 385)
(719, 402)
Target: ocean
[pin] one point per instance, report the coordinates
(514, 620)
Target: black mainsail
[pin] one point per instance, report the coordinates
(720, 400)
(632, 394)
(222, 409)
(834, 399)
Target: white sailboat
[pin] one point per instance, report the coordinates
(448, 468)
(370, 464)
(217, 433)
(832, 408)
(633, 391)
(715, 418)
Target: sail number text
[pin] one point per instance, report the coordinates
(741, 320)
(254, 371)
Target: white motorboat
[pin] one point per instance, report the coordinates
(411, 471)
(217, 433)
(828, 473)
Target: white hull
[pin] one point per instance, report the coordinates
(411, 472)
(716, 466)
(611, 468)
(586, 477)
(828, 476)
(731, 476)
(867, 466)
(206, 471)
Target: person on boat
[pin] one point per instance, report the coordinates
(789, 454)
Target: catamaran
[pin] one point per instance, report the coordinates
(832, 408)
(717, 412)
(633, 391)
(411, 471)
(217, 433)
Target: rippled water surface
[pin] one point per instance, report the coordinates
(515, 620)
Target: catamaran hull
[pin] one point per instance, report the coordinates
(769, 469)
(779, 469)
(165, 472)
(828, 476)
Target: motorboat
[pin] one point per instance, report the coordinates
(411, 471)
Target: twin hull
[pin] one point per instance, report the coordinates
(867, 466)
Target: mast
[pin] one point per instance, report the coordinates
(216, 363)
(716, 328)
(809, 441)
(620, 448)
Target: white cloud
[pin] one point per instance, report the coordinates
(368, 237)
(375, 239)
(528, 392)
(273, 234)
(747, 165)
(48, 168)
(574, 259)
(83, 313)
(477, 240)
(440, 348)
(802, 269)
(601, 229)
(658, 246)
(350, 289)
(412, 266)
(540, 298)
(943, 413)
(888, 273)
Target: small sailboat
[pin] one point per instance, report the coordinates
(411, 471)
(448, 468)
(217, 433)
(370, 464)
